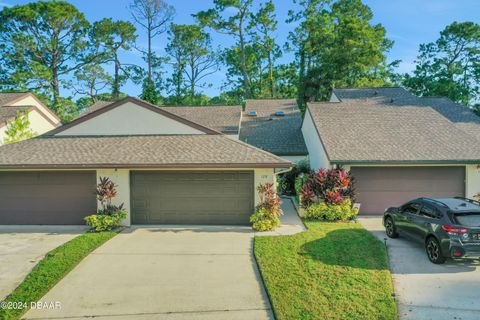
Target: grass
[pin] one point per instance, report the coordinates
(51, 269)
(331, 271)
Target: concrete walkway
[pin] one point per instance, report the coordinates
(290, 221)
(427, 291)
(165, 273)
(22, 247)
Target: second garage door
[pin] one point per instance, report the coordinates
(215, 197)
(382, 187)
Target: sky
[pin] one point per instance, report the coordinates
(409, 23)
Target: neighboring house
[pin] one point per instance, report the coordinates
(168, 169)
(274, 125)
(396, 145)
(41, 118)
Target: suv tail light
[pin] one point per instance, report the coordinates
(455, 230)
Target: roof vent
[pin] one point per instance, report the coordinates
(392, 100)
(252, 113)
(375, 92)
(280, 113)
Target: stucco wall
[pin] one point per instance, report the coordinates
(121, 177)
(130, 119)
(38, 124)
(317, 155)
(31, 101)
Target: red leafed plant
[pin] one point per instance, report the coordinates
(105, 192)
(331, 185)
(269, 199)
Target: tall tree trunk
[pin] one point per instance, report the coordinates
(301, 79)
(270, 75)
(246, 78)
(116, 80)
(149, 54)
(55, 88)
(193, 81)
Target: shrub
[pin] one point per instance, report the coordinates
(267, 212)
(105, 222)
(287, 180)
(263, 220)
(332, 212)
(109, 216)
(330, 185)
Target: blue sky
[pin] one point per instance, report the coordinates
(408, 22)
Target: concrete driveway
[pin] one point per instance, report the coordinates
(425, 290)
(21, 247)
(165, 273)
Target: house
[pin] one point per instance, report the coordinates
(396, 145)
(168, 170)
(274, 125)
(41, 118)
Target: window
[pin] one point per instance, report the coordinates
(468, 219)
(429, 212)
(411, 208)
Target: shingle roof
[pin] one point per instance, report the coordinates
(7, 97)
(281, 135)
(225, 119)
(368, 126)
(136, 151)
(8, 113)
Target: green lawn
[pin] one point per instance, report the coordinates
(51, 269)
(331, 271)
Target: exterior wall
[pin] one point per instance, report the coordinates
(129, 119)
(472, 174)
(334, 98)
(31, 101)
(121, 177)
(317, 155)
(38, 124)
(472, 183)
(294, 159)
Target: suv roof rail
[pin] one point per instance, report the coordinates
(468, 200)
(435, 201)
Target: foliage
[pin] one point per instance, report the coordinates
(449, 66)
(330, 185)
(149, 92)
(90, 80)
(41, 43)
(105, 222)
(337, 46)
(18, 129)
(50, 270)
(287, 181)
(105, 192)
(332, 212)
(267, 212)
(330, 271)
(263, 220)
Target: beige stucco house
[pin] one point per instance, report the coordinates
(397, 146)
(168, 169)
(41, 118)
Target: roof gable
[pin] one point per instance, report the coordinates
(24, 101)
(130, 116)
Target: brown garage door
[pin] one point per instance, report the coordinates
(215, 197)
(380, 188)
(46, 197)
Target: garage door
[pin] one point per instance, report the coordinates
(380, 188)
(192, 197)
(46, 197)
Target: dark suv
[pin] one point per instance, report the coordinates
(448, 227)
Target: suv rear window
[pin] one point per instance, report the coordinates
(469, 219)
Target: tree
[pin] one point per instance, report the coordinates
(189, 46)
(41, 42)
(265, 24)
(338, 46)
(449, 66)
(154, 16)
(18, 129)
(149, 93)
(113, 36)
(90, 80)
(233, 25)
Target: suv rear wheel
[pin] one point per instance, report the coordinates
(434, 251)
(390, 228)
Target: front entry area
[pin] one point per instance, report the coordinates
(192, 197)
(382, 187)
